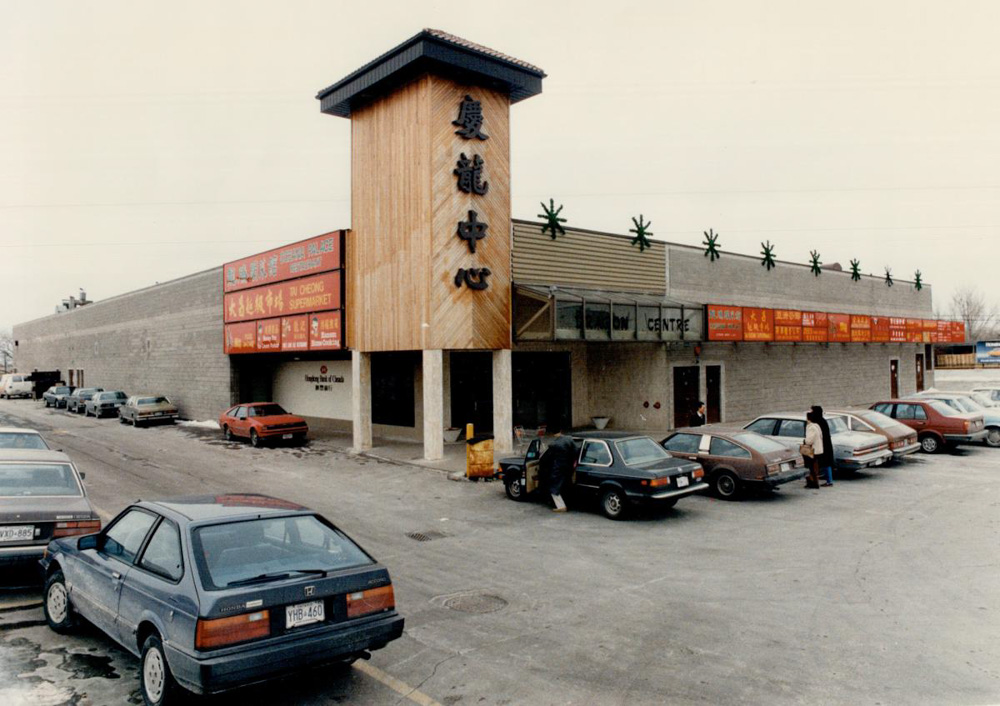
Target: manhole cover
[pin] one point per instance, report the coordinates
(425, 536)
(476, 603)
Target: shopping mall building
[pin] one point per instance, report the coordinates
(436, 308)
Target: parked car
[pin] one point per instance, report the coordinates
(736, 460)
(107, 402)
(77, 401)
(963, 403)
(20, 438)
(261, 422)
(992, 390)
(15, 385)
(41, 498)
(852, 450)
(937, 425)
(147, 409)
(620, 469)
(215, 592)
(56, 395)
(902, 440)
(985, 399)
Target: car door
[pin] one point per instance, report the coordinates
(685, 445)
(241, 426)
(96, 576)
(764, 426)
(594, 465)
(152, 584)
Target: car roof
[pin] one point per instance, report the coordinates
(606, 435)
(224, 506)
(17, 430)
(34, 455)
(714, 429)
(784, 415)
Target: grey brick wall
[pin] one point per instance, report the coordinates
(165, 339)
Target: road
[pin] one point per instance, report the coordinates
(881, 590)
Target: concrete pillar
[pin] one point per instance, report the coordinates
(503, 403)
(433, 405)
(361, 400)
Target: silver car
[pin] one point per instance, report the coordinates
(107, 402)
(852, 450)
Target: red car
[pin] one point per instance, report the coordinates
(937, 425)
(262, 421)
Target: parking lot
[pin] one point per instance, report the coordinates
(882, 589)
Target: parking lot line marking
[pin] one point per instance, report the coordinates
(402, 688)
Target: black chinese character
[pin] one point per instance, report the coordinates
(472, 230)
(473, 278)
(470, 175)
(470, 119)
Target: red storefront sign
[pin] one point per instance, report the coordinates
(914, 330)
(897, 330)
(930, 331)
(861, 328)
(725, 323)
(240, 338)
(300, 296)
(269, 335)
(840, 327)
(758, 324)
(880, 329)
(307, 257)
(815, 327)
(958, 332)
(324, 331)
(295, 333)
(787, 325)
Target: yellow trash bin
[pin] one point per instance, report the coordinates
(479, 456)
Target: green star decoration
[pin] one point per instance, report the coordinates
(641, 233)
(711, 245)
(553, 223)
(768, 253)
(815, 263)
(888, 277)
(856, 270)
(918, 282)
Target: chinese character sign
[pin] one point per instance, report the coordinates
(324, 331)
(269, 335)
(725, 323)
(880, 329)
(787, 325)
(758, 324)
(318, 293)
(295, 333)
(815, 327)
(240, 338)
(319, 254)
(861, 329)
(840, 327)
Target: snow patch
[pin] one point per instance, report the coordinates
(210, 424)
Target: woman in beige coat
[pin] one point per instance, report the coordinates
(814, 438)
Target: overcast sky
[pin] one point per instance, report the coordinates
(143, 141)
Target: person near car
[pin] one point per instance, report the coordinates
(814, 439)
(558, 461)
(697, 418)
(826, 460)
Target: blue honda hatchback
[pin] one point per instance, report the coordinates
(215, 592)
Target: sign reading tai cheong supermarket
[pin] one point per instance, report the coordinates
(286, 300)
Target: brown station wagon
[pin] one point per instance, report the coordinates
(902, 440)
(736, 460)
(937, 425)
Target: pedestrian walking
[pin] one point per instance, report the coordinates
(558, 461)
(812, 449)
(826, 461)
(697, 417)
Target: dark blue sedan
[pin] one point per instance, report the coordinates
(215, 592)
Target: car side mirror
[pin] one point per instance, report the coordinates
(83, 475)
(89, 541)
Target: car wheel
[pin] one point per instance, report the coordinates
(158, 685)
(57, 608)
(726, 485)
(515, 491)
(614, 503)
(228, 433)
(255, 439)
(993, 436)
(929, 444)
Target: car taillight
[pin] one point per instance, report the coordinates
(699, 473)
(657, 482)
(374, 600)
(227, 631)
(773, 467)
(967, 425)
(66, 529)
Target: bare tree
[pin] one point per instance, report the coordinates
(981, 317)
(6, 349)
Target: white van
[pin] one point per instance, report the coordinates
(15, 385)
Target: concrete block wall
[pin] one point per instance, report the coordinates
(626, 381)
(165, 339)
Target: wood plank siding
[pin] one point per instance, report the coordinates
(586, 259)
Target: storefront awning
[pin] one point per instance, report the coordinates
(558, 313)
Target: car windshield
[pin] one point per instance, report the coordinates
(275, 548)
(883, 422)
(21, 440)
(266, 410)
(37, 479)
(942, 408)
(61, 390)
(983, 399)
(759, 443)
(837, 424)
(640, 450)
(152, 400)
(968, 404)
(115, 396)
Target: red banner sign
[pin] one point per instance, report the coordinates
(324, 331)
(914, 330)
(787, 325)
(725, 323)
(840, 327)
(897, 330)
(861, 329)
(758, 324)
(269, 335)
(880, 329)
(319, 254)
(240, 338)
(300, 296)
(958, 332)
(815, 327)
(295, 333)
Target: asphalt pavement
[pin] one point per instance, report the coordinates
(880, 590)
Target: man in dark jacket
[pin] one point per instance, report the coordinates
(826, 459)
(697, 418)
(558, 460)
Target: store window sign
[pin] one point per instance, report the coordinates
(324, 331)
(725, 323)
(295, 333)
(758, 324)
(269, 335)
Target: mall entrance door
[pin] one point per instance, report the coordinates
(686, 385)
(542, 390)
(894, 379)
(472, 390)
